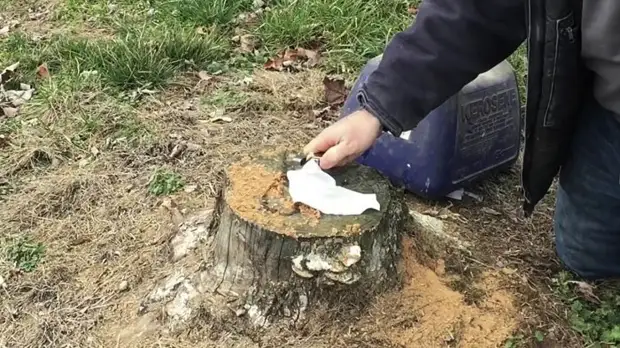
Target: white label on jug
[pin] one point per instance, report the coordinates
(486, 134)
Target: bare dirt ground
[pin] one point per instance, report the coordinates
(106, 236)
(101, 229)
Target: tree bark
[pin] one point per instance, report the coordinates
(280, 257)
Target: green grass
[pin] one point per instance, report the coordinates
(141, 58)
(203, 13)
(164, 183)
(518, 60)
(598, 322)
(25, 254)
(350, 31)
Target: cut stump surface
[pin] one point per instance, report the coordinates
(279, 257)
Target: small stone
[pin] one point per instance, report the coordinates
(190, 188)
(124, 285)
(240, 312)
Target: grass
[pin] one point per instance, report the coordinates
(25, 254)
(164, 183)
(596, 319)
(351, 31)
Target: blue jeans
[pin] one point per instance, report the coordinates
(587, 214)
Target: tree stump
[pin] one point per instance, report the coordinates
(279, 257)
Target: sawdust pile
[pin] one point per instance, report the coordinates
(428, 313)
(260, 196)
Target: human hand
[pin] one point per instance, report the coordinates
(345, 140)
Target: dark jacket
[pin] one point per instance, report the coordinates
(452, 41)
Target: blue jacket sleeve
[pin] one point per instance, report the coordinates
(450, 43)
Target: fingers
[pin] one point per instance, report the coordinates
(321, 143)
(336, 156)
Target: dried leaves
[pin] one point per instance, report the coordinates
(247, 42)
(293, 59)
(586, 290)
(335, 91)
(6, 29)
(412, 10)
(43, 72)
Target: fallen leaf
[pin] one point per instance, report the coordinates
(247, 43)
(282, 60)
(9, 112)
(173, 209)
(274, 64)
(290, 55)
(43, 72)
(335, 91)
(177, 150)
(320, 113)
(586, 290)
(204, 76)
(412, 10)
(311, 56)
(4, 31)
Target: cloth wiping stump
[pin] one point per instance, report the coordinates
(310, 185)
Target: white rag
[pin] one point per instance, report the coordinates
(310, 185)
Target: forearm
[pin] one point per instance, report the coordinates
(451, 42)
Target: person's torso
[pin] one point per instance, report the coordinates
(601, 49)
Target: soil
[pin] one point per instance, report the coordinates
(432, 314)
(260, 195)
